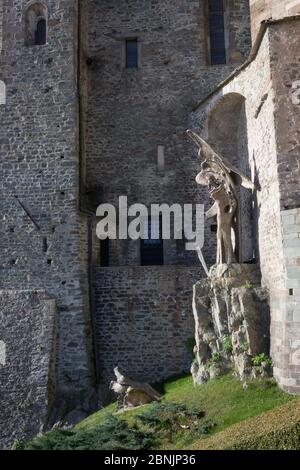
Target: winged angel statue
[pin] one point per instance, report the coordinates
(222, 179)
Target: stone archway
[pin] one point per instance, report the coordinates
(226, 129)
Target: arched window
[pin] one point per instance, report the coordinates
(216, 25)
(36, 24)
(41, 32)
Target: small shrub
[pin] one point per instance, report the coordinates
(166, 419)
(216, 358)
(213, 361)
(259, 359)
(113, 434)
(205, 426)
(245, 347)
(227, 345)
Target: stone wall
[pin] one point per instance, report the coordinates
(130, 112)
(285, 57)
(271, 9)
(41, 229)
(285, 305)
(1, 24)
(144, 321)
(27, 363)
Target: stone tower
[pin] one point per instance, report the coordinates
(45, 315)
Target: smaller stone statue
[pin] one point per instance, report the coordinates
(130, 393)
(222, 178)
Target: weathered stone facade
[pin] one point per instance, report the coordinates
(262, 10)
(144, 322)
(130, 112)
(268, 85)
(27, 366)
(77, 128)
(43, 240)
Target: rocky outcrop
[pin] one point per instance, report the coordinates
(232, 323)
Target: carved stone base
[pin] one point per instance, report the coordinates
(232, 323)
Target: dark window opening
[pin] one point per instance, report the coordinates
(217, 32)
(104, 253)
(152, 250)
(41, 32)
(131, 53)
(45, 245)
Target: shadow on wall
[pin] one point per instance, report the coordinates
(226, 131)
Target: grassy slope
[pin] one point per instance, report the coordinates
(223, 400)
(275, 429)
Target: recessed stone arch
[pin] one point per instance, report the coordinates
(226, 131)
(36, 23)
(2, 92)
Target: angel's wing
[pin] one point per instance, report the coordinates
(210, 155)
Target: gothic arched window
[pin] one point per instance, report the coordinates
(36, 24)
(216, 25)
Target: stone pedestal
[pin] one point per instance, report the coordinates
(232, 323)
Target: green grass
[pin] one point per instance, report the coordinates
(276, 429)
(223, 400)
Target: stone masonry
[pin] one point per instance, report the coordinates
(144, 320)
(268, 84)
(271, 9)
(77, 128)
(27, 363)
(43, 236)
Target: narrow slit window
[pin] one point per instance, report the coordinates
(217, 32)
(41, 32)
(131, 53)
